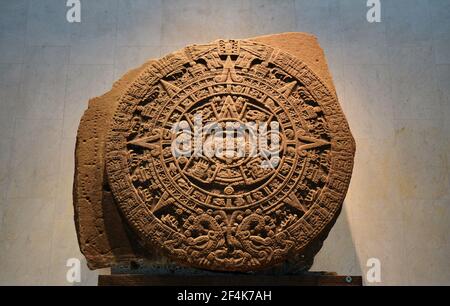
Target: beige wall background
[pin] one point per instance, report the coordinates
(392, 79)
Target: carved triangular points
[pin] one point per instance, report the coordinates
(228, 109)
(286, 90)
(229, 64)
(311, 142)
(293, 201)
(146, 142)
(163, 201)
(170, 88)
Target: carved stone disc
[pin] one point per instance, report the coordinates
(217, 201)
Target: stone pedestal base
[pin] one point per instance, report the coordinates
(308, 279)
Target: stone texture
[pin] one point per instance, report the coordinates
(327, 20)
(101, 235)
(105, 239)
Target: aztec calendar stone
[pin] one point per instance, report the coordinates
(230, 156)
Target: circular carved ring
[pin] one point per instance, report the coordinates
(229, 156)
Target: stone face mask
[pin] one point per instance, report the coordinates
(266, 190)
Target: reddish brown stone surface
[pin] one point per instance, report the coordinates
(210, 213)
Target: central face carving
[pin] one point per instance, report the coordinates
(220, 156)
(228, 147)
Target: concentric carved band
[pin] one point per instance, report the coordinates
(229, 211)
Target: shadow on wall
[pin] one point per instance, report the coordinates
(338, 253)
